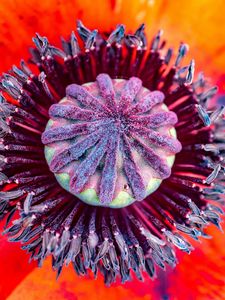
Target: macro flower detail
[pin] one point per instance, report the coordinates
(103, 93)
(109, 119)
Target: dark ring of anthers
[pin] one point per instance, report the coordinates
(53, 222)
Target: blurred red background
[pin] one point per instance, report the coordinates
(201, 24)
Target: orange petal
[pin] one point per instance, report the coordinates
(14, 265)
(21, 19)
(199, 23)
(69, 286)
(200, 275)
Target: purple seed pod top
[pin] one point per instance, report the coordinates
(111, 142)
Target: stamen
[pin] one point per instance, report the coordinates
(156, 40)
(214, 174)
(203, 115)
(183, 49)
(217, 114)
(117, 35)
(190, 73)
(141, 35)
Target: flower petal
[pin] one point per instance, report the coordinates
(42, 281)
(200, 275)
(14, 266)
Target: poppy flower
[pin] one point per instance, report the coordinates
(112, 152)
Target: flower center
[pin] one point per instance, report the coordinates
(111, 142)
